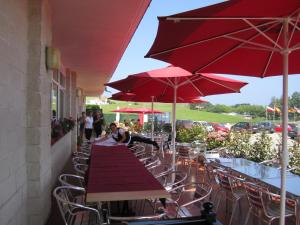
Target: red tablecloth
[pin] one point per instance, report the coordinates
(116, 174)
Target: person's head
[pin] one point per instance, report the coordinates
(83, 113)
(89, 113)
(113, 127)
(126, 124)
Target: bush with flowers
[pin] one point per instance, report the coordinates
(261, 149)
(295, 157)
(238, 144)
(217, 139)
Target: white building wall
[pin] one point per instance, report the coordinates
(13, 76)
(28, 165)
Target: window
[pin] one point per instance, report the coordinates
(57, 95)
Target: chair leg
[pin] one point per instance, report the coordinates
(233, 212)
(247, 217)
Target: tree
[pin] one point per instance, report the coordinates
(294, 100)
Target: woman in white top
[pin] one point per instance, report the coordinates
(88, 125)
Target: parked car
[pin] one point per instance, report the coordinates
(184, 124)
(263, 126)
(219, 127)
(278, 128)
(294, 132)
(247, 126)
(204, 124)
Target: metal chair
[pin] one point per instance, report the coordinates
(213, 180)
(161, 169)
(71, 180)
(80, 160)
(71, 211)
(156, 216)
(152, 162)
(172, 179)
(186, 156)
(137, 149)
(232, 186)
(81, 169)
(190, 200)
(266, 205)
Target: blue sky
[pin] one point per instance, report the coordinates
(258, 91)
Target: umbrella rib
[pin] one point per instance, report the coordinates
(196, 88)
(228, 52)
(229, 88)
(208, 39)
(193, 79)
(271, 55)
(255, 48)
(294, 28)
(168, 82)
(251, 43)
(262, 33)
(178, 19)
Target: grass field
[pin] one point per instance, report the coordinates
(182, 112)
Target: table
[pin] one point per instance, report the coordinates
(252, 169)
(267, 174)
(115, 174)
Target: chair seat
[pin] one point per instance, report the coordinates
(85, 218)
(274, 210)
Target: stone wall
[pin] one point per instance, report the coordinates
(38, 114)
(60, 154)
(28, 165)
(13, 86)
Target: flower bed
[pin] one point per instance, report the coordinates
(61, 127)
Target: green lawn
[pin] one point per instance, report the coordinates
(182, 112)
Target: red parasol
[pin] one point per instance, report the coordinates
(176, 82)
(121, 96)
(138, 110)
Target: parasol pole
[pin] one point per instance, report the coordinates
(284, 157)
(152, 124)
(174, 128)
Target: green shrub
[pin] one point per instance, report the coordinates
(92, 108)
(196, 133)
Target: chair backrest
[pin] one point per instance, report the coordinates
(162, 169)
(172, 180)
(66, 203)
(224, 180)
(210, 170)
(81, 169)
(183, 151)
(80, 160)
(152, 162)
(71, 211)
(254, 195)
(71, 180)
(137, 148)
(194, 194)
